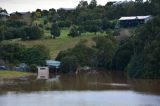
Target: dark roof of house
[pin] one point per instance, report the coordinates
(22, 13)
(68, 9)
(53, 63)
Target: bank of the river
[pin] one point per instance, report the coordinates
(13, 74)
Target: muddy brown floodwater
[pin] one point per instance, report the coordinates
(85, 89)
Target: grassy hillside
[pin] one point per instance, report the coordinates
(61, 43)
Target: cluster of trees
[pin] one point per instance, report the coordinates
(90, 17)
(3, 10)
(17, 53)
(146, 44)
(138, 54)
(99, 55)
(86, 17)
(12, 29)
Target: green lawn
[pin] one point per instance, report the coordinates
(61, 43)
(13, 74)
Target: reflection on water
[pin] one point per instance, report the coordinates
(85, 89)
(80, 98)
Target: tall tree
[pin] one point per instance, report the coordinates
(82, 4)
(93, 4)
(55, 31)
(74, 31)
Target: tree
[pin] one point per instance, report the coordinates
(109, 4)
(69, 64)
(38, 13)
(13, 53)
(123, 55)
(2, 32)
(81, 51)
(105, 51)
(55, 31)
(106, 24)
(94, 28)
(82, 4)
(45, 12)
(31, 33)
(139, 1)
(145, 61)
(93, 4)
(36, 55)
(74, 31)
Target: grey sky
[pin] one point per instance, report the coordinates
(31, 5)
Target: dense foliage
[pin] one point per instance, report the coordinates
(88, 17)
(99, 55)
(31, 33)
(55, 31)
(16, 53)
(74, 31)
(137, 54)
(146, 61)
(12, 29)
(69, 64)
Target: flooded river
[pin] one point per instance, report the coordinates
(85, 89)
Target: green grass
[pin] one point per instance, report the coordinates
(60, 43)
(13, 74)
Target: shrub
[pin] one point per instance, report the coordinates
(69, 64)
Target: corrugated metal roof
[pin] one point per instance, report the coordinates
(135, 17)
(4, 14)
(53, 63)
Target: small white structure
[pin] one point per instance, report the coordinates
(43, 73)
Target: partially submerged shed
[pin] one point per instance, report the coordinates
(43, 73)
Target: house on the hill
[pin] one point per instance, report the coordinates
(22, 16)
(132, 21)
(4, 16)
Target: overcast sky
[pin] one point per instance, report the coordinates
(31, 5)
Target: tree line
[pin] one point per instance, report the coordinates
(86, 17)
(14, 54)
(137, 55)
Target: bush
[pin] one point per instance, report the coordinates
(36, 55)
(33, 68)
(123, 55)
(106, 48)
(55, 30)
(13, 53)
(64, 24)
(45, 22)
(32, 33)
(83, 53)
(74, 31)
(16, 53)
(69, 64)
